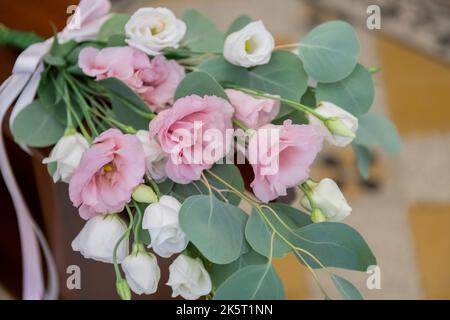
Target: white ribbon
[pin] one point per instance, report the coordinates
(22, 85)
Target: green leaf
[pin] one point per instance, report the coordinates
(354, 93)
(115, 25)
(51, 168)
(259, 233)
(72, 56)
(18, 39)
(202, 34)
(166, 186)
(334, 245)
(346, 288)
(255, 282)
(376, 130)
(223, 71)
(220, 272)
(116, 40)
(233, 177)
(35, 127)
(364, 158)
(214, 227)
(199, 83)
(283, 75)
(239, 23)
(144, 235)
(56, 61)
(124, 103)
(330, 51)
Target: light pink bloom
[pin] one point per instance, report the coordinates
(154, 80)
(282, 159)
(251, 111)
(185, 131)
(108, 172)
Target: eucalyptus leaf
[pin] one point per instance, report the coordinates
(202, 34)
(258, 231)
(36, 127)
(364, 159)
(214, 227)
(354, 93)
(254, 282)
(115, 25)
(346, 288)
(239, 23)
(334, 245)
(51, 168)
(220, 272)
(223, 71)
(330, 51)
(376, 130)
(199, 83)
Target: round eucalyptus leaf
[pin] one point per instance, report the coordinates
(330, 51)
(354, 93)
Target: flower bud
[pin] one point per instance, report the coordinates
(317, 216)
(144, 194)
(122, 289)
(340, 126)
(330, 201)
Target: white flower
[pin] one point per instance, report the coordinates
(67, 155)
(161, 220)
(99, 236)
(250, 46)
(155, 158)
(153, 29)
(329, 199)
(142, 272)
(340, 127)
(188, 278)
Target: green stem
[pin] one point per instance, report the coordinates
(116, 247)
(137, 239)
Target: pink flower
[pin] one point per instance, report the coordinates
(281, 157)
(193, 133)
(155, 81)
(163, 79)
(253, 112)
(108, 172)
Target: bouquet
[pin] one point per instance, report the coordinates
(151, 115)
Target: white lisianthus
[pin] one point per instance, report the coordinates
(99, 236)
(67, 155)
(341, 125)
(329, 199)
(141, 271)
(161, 220)
(154, 29)
(250, 46)
(188, 278)
(155, 158)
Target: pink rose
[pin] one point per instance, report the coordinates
(251, 111)
(155, 81)
(108, 172)
(192, 132)
(281, 157)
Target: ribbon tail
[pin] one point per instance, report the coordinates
(30, 234)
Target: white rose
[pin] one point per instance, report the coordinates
(67, 155)
(250, 46)
(341, 126)
(155, 158)
(99, 236)
(189, 278)
(142, 272)
(329, 199)
(153, 29)
(161, 220)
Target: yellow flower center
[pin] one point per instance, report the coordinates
(107, 167)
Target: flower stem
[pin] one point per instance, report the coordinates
(116, 247)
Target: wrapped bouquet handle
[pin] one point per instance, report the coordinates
(22, 85)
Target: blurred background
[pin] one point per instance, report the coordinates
(402, 210)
